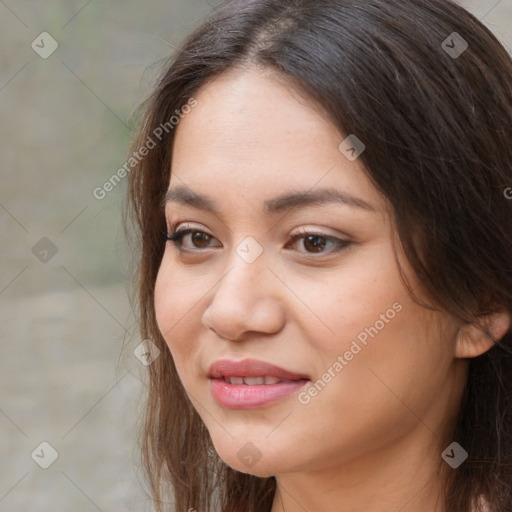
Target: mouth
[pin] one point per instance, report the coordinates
(250, 384)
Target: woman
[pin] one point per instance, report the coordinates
(325, 262)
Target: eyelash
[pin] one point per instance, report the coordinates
(176, 239)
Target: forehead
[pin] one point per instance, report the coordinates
(254, 134)
(242, 110)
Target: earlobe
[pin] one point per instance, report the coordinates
(475, 339)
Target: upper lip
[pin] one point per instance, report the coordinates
(250, 368)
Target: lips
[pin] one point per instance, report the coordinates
(251, 369)
(250, 384)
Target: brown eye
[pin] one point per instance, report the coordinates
(314, 243)
(200, 239)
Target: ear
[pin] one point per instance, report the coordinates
(474, 339)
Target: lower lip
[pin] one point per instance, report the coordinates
(242, 396)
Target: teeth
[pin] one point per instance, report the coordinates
(254, 381)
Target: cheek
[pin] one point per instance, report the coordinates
(376, 341)
(384, 368)
(174, 310)
(345, 303)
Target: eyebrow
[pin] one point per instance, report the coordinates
(287, 201)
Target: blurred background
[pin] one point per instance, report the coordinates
(71, 384)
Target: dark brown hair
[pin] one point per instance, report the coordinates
(437, 127)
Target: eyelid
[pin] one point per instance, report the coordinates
(187, 225)
(309, 230)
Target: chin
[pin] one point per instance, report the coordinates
(251, 461)
(259, 470)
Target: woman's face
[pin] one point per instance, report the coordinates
(381, 371)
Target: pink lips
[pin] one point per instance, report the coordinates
(248, 390)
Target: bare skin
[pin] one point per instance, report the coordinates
(372, 437)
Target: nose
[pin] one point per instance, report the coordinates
(248, 299)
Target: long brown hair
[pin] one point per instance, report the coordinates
(434, 110)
